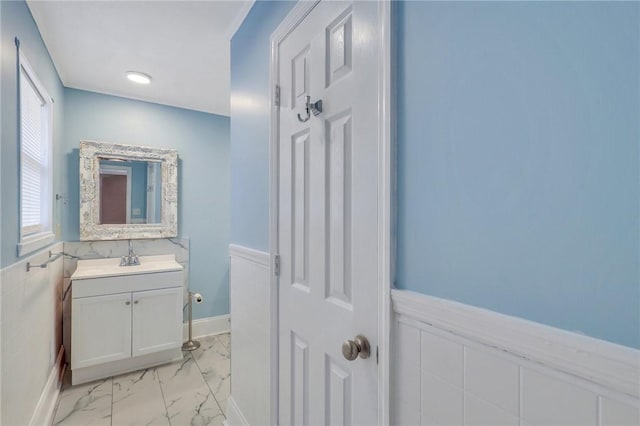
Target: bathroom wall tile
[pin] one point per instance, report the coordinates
(177, 246)
(442, 358)
(616, 413)
(99, 249)
(138, 400)
(442, 403)
(96, 249)
(547, 400)
(493, 378)
(78, 250)
(85, 405)
(482, 413)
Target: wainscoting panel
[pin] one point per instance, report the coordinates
(250, 337)
(459, 365)
(31, 314)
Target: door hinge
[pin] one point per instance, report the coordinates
(377, 358)
(277, 96)
(276, 264)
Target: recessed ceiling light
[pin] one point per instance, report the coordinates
(138, 77)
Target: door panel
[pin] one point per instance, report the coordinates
(338, 141)
(299, 380)
(300, 203)
(327, 218)
(338, 401)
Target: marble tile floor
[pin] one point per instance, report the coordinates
(193, 391)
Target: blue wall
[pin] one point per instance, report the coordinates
(16, 21)
(250, 122)
(518, 173)
(139, 189)
(202, 141)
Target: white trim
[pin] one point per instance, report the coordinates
(30, 243)
(45, 409)
(207, 326)
(259, 257)
(386, 169)
(234, 415)
(293, 18)
(152, 182)
(122, 366)
(112, 169)
(385, 195)
(35, 242)
(237, 23)
(611, 366)
(288, 24)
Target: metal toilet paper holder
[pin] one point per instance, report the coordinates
(191, 344)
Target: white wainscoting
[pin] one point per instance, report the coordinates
(31, 313)
(455, 364)
(250, 337)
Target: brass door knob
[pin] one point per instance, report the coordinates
(359, 346)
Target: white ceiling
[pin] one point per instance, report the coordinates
(183, 45)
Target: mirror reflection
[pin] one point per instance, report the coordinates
(130, 191)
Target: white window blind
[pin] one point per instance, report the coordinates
(35, 175)
(34, 161)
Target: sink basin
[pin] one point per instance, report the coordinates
(110, 267)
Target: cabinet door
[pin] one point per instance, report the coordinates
(157, 320)
(100, 329)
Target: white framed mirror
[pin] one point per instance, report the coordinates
(127, 192)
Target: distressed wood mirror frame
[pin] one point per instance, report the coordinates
(90, 227)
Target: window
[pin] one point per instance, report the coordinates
(35, 162)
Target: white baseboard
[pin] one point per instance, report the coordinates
(45, 409)
(234, 415)
(208, 326)
(122, 366)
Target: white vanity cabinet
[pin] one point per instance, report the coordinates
(125, 319)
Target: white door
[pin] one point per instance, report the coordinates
(100, 329)
(157, 320)
(327, 219)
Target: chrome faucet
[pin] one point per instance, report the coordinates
(131, 259)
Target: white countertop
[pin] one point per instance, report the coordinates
(110, 267)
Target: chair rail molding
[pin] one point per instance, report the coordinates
(255, 256)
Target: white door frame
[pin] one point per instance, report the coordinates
(112, 169)
(386, 170)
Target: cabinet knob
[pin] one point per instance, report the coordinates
(128, 302)
(135, 302)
